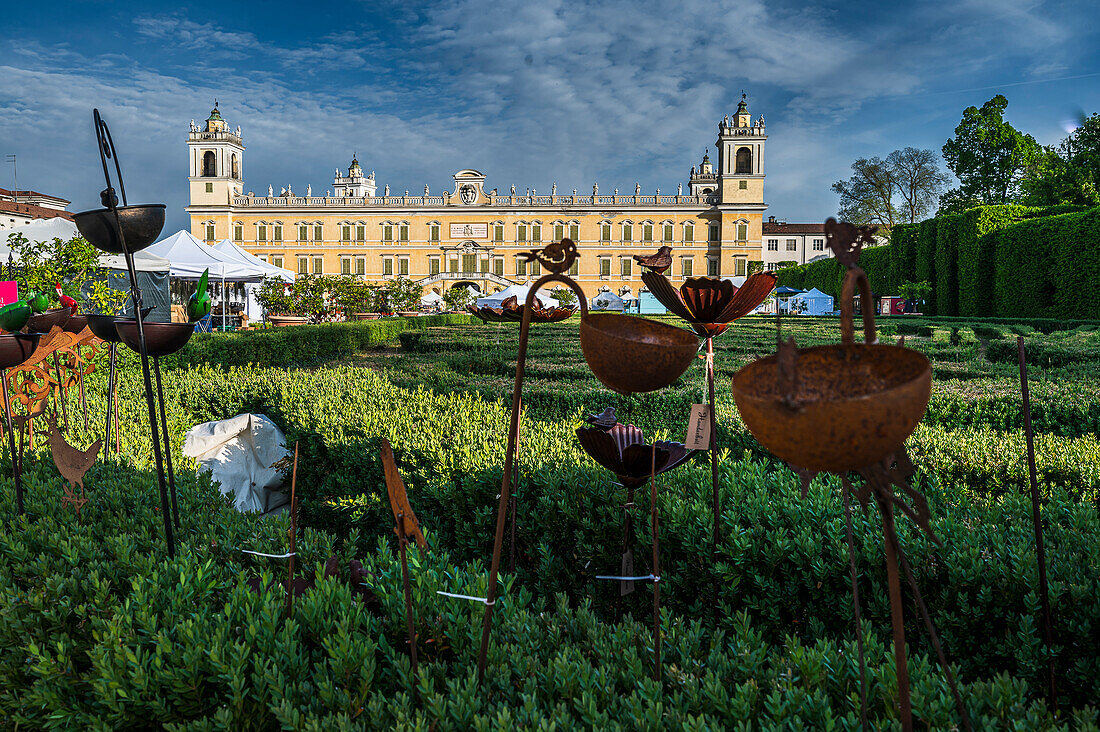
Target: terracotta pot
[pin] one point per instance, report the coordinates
(409, 313)
(367, 316)
(631, 354)
(280, 321)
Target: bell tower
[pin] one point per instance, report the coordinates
(741, 157)
(216, 161)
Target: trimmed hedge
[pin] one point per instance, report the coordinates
(945, 287)
(903, 253)
(976, 259)
(304, 344)
(925, 265)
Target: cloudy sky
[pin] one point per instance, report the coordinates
(616, 91)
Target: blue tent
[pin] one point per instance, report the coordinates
(812, 302)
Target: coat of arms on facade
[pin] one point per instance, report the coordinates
(468, 194)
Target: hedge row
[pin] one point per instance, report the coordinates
(303, 344)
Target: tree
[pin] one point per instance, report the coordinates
(1069, 173)
(988, 155)
(566, 297)
(868, 196)
(403, 294)
(457, 298)
(918, 180)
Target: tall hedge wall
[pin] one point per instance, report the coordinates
(903, 250)
(925, 265)
(1046, 267)
(975, 259)
(945, 285)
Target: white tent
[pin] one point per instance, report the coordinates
(231, 250)
(520, 291)
(607, 300)
(63, 229)
(432, 298)
(627, 296)
(189, 257)
(813, 302)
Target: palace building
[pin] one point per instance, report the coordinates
(473, 235)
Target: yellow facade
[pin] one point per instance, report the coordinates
(471, 235)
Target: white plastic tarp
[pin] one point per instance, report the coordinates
(58, 228)
(231, 250)
(189, 257)
(520, 291)
(239, 453)
(607, 301)
(432, 298)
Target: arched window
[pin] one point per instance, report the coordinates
(666, 231)
(345, 231)
(277, 231)
(575, 231)
(689, 231)
(238, 231)
(647, 231)
(628, 231)
(209, 164)
(536, 231)
(559, 230)
(744, 160)
(236, 167)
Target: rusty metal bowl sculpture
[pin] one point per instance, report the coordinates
(631, 354)
(15, 348)
(45, 321)
(161, 339)
(141, 225)
(75, 323)
(103, 327)
(853, 405)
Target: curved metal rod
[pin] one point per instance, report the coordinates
(509, 455)
(107, 150)
(856, 276)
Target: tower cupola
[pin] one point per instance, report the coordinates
(215, 123)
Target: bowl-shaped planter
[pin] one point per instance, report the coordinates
(631, 354)
(15, 348)
(161, 339)
(141, 225)
(103, 327)
(75, 323)
(280, 321)
(854, 404)
(45, 321)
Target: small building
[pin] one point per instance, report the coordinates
(798, 243)
(21, 207)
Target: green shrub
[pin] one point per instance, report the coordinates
(946, 286)
(976, 256)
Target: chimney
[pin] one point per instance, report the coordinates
(771, 219)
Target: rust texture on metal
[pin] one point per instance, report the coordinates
(658, 262)
(72, 463)
(399, 500)
(622, 450)
(710, 304)
(631, 354)
(557, 257)
(511, 311)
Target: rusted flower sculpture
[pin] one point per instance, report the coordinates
(710, 304)
(623, 451)
(511, 311)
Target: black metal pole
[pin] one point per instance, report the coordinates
(112, 347)
(15, 466)
(1037, 520)
(167, 445)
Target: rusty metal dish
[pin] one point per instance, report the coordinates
(43, 322)
(75, 323)
(631, 354)
(853, 405)
(103, 327)
(15, 348)
(161, 339)
(141, 225)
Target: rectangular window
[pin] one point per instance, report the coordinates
(238, 233)
(712, 233)
(498, 232)
(387, 266)
(773, 245)
(559, 232)
(210, 232)
(403, 266)
(819, 245)
(303, 265)
(303, 233)
(521, 233)
(318, 232)
(521, 268)
(387, 233)
(318, 265)
(624, 267)
(433, 265)
(574, 269)
(605, 266)
(575, 232)
(605, 232)
(469, 263)
(689, 232)
(647, 232)
(668, 232)
(535, 269)
(277, 261)
(345, 265)
(498, 266)
(712, 267)
(360, 232)
(484, 265)
(278, 232)
(452, 264)
(686, 267)
(792, 245)
(209, 187)
(403, 232)
(433, 232)
(261, 233)
(360, 265)
(628, 232)
(536, 232)
(742, 232)
(743, 185)
(740, 266)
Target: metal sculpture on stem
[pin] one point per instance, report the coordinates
(15, 348)
(849, 408)
(626, 353)
(103, 326)
(127, 229)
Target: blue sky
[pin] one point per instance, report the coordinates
(617, 92)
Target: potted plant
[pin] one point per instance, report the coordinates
(280, 302)
(914, 294)
(458, 298)
(403, 296)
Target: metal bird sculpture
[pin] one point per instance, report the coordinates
(198, 306)
(72, 463)
(605, 420)
(659, 262)
(14, 316)
(66, 301)
(556, 257)
(38, 301)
